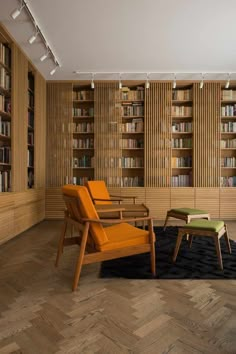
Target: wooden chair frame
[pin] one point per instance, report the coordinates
(82, 225)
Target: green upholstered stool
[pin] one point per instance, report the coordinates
(204, 228)
(186, 214)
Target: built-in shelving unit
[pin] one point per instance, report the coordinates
(83, 134)
(228, 137)
(182, 137)
(30, 133)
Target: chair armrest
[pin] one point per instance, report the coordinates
(116, 221)
(129, 197)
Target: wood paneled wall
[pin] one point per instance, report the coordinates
(59, 134)
(206, 128)
(158, 135)
(107, 133)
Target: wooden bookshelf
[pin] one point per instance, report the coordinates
(30, 128)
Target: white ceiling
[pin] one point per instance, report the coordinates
(129, 36)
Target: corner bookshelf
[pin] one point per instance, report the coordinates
(30, 132)
(83, 134)
(132, 142)
(182, 137)
(228, 137)
(5, 115)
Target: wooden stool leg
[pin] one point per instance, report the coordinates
(153, 258)
(218, 251)
(61, 243)
(177, 246)
(167, 217)
(226, 237)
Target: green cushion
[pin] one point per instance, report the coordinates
(208, 225)
(188, 211)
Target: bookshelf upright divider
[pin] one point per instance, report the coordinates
(31, 133)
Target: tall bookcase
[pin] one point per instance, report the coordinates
(228, 137)
(30, 129)
(132, 142)
(5, 115)
(83, 134)
(182, 137)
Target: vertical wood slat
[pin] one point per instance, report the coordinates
(40, 129)
(158, 135)
(206, 109)
(19, 120)
(107, 128)
(59, 134)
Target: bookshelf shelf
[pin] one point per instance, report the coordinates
(4, 137)
(5, 114)
(82, 117)
(7, 68)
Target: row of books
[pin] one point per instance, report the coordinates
(229, 181)
(184, 161)
(228, 143)
(181, 95)
(5, 55)
(182, 143)
(131, 143)
(84, 127)
(5, 104)
(5, 127)
(83, 112)
(136, 181)
(136, 126)
(183, 127)
(109, 162)
(30, 158)
(228, 111)
(128, 94)
(83, 95)
(5, 79)
(5, 181)
(31, 138)
(83, 143)
(131, 162)
(181, 181)
(181, 111)
(228, 162)
(228, 127)
(79, 180)
(132, 110)
(228, 95)
(5, 154)
(83, 161)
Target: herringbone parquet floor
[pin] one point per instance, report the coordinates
(40, 314)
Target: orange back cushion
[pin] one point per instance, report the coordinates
(98, 190)
(87, 210)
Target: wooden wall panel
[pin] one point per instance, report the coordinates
(208, 199)
(19, 119)
(55, 205)
(158, 135)
(206, 128)
(107, 133)
(40, 131)
(227, 203)
(183, 197)
(158, 202)
(138, 192)
(59, 134)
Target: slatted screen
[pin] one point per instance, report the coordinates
(206, 128)
(59, 134)
(158, 135)
(107, 128)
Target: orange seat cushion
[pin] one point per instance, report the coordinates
(124, 235)
(98, 190)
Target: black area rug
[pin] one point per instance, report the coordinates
(198, 262)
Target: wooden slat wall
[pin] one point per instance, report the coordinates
(55, 204)
(107, 123)
(206, 128)
(158, 135)
(158, 202)
(228, 203)
(208, 199)
(59, 134)
(19, 119)
(182, 197)
(40, 131)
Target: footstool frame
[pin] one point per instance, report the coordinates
(186, 217)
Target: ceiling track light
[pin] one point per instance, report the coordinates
(52, 72)
(45, 55)
(120, 82)
(202, 82)
(147, 83)
(32, 38)
(227, 82)
(92, 81)
(17, 11)
(174, 82)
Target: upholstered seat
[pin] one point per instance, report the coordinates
(186, 214)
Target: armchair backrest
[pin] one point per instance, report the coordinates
(80, 205)
(98, 190)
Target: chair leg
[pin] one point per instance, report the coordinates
(218, 251)
(190, 240)
(153, 259)
(61, 243)
(226, 237)
(81, 257)
(177, 246)
(166, 220)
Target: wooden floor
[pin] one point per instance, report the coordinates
(40, 314)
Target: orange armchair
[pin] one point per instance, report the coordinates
(96, 242)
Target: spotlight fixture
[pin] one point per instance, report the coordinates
(92, 82)
(52, 72)
(227, 82)
(17, 12)
(202, 82)
(44, 56)
(120, 83)
(174, 82)
(147, 83)
(32, 38)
